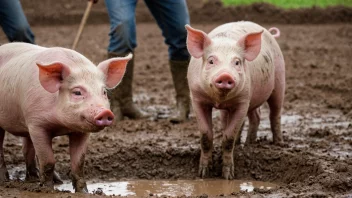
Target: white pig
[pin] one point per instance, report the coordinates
(235, 68)
(48, 92)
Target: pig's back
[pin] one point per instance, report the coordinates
(17, 67)
(17, 77)
(236, 30)
(16, 50)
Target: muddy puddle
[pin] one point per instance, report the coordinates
(171, 188)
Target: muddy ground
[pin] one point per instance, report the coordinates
(201, 11)
(317, 119)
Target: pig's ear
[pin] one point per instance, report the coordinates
(51, 75)
(251, 43)
(114, 69)
(196, 41)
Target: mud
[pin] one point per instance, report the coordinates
(316, 121)
(47, 12)
(141, 188)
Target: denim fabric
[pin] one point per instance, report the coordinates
(171, 16)
(14, 22)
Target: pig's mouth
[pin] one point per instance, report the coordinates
(91, 126)
(219, 94)
(222, 93)
(94, 127)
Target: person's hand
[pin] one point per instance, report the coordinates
(94, 1)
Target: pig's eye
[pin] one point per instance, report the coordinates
(77, 93)
(211, 60)
(237, 62)
(105, 92)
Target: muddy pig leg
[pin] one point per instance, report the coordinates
(56, 177)
(42, 143)
(29, 157)
(203, 115)
(78, 148)
(239, 135)
(235, 122)
(224, 117)
(4, 175)
(254, 120)
(275, 104)
(32, 172)
(276, 100)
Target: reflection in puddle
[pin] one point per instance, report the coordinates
(172, 188)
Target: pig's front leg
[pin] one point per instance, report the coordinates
(42, 142)
(78, 148)
(235, 121)
(203, 115)
(224, 115)
(32, 172)
(29, 157)
(4, 175)
(254, 121)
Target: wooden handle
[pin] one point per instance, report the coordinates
(83, 23)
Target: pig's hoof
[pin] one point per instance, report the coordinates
(203, 171)
(80, 185)
(47, 184)
(228, 172)
(4, 175)
(32, 175)
(82, 190)
(57, 179)
(281, 144)
(31, 178)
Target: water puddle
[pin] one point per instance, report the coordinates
(172, 188)
(326, 120)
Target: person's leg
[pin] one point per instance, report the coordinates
(122, 26)
(14, 22)
(123, 41)
(172, 16)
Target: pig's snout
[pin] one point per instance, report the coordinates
(104, 118)
(224, 81)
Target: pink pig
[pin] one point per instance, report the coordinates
(235, 68)
(48, 92)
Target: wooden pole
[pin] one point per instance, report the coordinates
(83, 23)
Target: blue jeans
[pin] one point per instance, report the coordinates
(14, 22)
(171, 16)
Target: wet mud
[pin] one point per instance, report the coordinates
(316, 121)
(199, 187)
